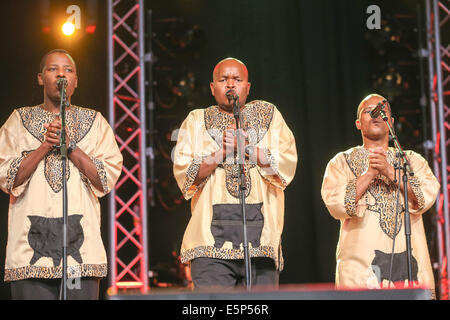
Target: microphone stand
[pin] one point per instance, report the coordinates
(242, 188)
(406, 169)
(63, 151)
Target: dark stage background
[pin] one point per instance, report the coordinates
(312, 59)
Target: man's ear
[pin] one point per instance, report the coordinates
(358, 124)
(40, 80)
(248, 88)
(211, 86)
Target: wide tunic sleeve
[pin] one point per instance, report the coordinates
(423, 183)
(339, 190)
(280, 149)
(106, 157)
(193, 145)
(11, 156)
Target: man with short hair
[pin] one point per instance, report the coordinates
(31, 173)
(206, 167)
(361, 189)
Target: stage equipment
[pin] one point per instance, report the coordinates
(128, 253)
(438, 54)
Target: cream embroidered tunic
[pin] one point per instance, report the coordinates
(35, 207)
(215, 227)
(369, 226)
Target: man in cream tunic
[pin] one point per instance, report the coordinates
(31, 173)
(360, 188)
(207, 172)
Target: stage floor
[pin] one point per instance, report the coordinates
(284, 292)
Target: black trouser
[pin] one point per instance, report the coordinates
(227, 274)
(49, 289)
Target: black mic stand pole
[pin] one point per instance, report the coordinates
(242, 188)
(406, 170)
(63, 149)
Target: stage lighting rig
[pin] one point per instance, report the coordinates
(177, 47)
(396, 69)
(65, 20)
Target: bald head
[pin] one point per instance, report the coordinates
(228, 61)
(230, 74)
(371, 99)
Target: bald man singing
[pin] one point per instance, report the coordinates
(361, 189)
(206, 167)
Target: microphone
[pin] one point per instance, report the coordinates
(231, 95)
(375, 113)
(61, 83)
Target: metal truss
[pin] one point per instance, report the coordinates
(438, 31)
(128, 201)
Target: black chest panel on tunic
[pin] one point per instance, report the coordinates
(227, 224)
(45, 238)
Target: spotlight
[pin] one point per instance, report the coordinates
(68, 28)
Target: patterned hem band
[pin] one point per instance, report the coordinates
(84, 270)
(219, 253)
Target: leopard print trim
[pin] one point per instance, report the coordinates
(255, 119)
(88, 184)
(216, 122)
(12, 172)
(78, 119)
(191, 174)
(233, 180)
(219, 253)
(53, 170)
(271, 158)
(85, 180)
(350, 198)
(274, 165)
(415, 187)
(101, 173)
(26, 153)
(381, 189)
(13, 168)
(84, 270)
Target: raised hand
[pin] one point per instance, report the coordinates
(378, 161)
(230, 143)
(53, 132)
